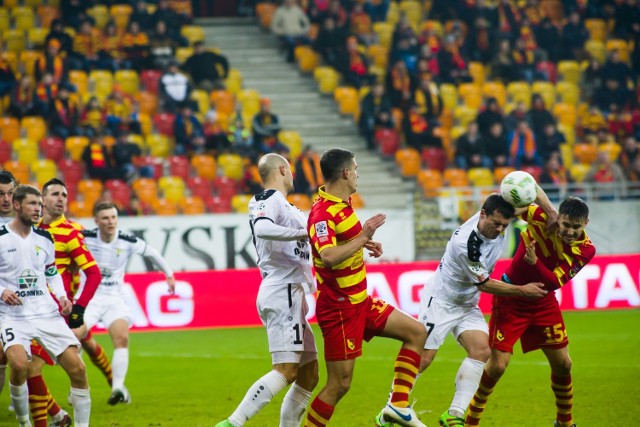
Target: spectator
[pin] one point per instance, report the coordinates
(407, 51)
(400, 85)
(509, 19)
(308, 177)
(470, 149)
(215, 137)
(7, 78)
(52, 62)
(593, 121)
(291, 25)
(453, 67)
(553, 176)
(142, 17)
(574, 35)
(620, 123)
(549, 38)
(330, 43)
(64, 117)
(538, 116)
(86, 45)
(207, 69)
(73, 11)
(317, 11)
(360, 24)
(615, 69)
(23, 99)
(482, 46)
(496, 146)
(135, 208)
(355, 66)
(626, 17)
(175, 88)
(125, 154)
(550, 141)
(516, 115)
(633, 174)
(417, 132)
(58, 33)
(377, 9)
(111, 56)
(591, 79)
(136, 47)
(164, 13)
(120, 110)
(490, 115)
(605, 171)
(428, 99)
(338, 13)
(98, 161)
(524, 60)
(611, 94)
(94, 117)
(503, 66)
(189, 133)
(402, 31)
(628, 154)
(522, 147)
(240, 138)
(162, 46)
(375, 112)
(265, 130)
(46, 92)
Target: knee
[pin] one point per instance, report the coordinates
(481, 353)
(121, 341)
(290, 372)
(77, 371)
(426, 359)
(563, 367)
(340, 386)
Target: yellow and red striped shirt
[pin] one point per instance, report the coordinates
(332, 222)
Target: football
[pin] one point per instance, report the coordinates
(519, 189)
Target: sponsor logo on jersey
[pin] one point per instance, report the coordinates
(12, 250)
(301, 250)
(28, 279)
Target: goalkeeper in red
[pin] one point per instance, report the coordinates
(553, 258)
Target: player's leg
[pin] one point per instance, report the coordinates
(119, 332)
(561, 384)
(495, 367)
(17, 358)
(3, 369)
(92, 315)
(72, 363)
(339, 377)
(39, 395)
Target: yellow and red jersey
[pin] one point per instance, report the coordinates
(332, 222)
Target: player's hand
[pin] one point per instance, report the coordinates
(533, 290)
(530, 257)
(10, 298)
(76, 318)
(171, 282)
(65, 306)
(374, 248)
(372, 224)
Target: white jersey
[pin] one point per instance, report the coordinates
(112, 258)
(467, 263)
(25, 265)
(281, 262)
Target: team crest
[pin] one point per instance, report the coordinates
(38, 249)
(351, 344)
(499, 336)
(28, 279)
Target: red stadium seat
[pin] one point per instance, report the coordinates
(52, 148)
(225, 187)
(218, 205)
(549, 69)
(5, 152)
(388, 141)
(534, 171)
(164, 123)
(120, 192)
(150, 79)
(72, 171)
(200, 187)
(179, 166)
(434, 158)
(154, 162)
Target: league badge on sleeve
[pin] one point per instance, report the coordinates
(322, 231)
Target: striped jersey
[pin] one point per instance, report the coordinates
(71, 252)
(558, 262)
(332, 222)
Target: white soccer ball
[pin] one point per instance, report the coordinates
(519, 189)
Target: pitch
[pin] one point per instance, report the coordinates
(196, 378)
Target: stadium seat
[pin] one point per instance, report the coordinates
(179, 166)
(379, 55)
(28, 60)
(148, 102)
(201, 98)
(204, 166)
(549, 70)
(455, 177)
(612, 149)
(306, 58)
(231, 165)
(48, 13)
(566, 114)
(578, 171)
(150, 80)
(23, 18)
(434, 158)
(5, 19)
(120, 192)
(90, 190)
(224, 102)
(35, 127)
(477, 73)
(100, 14)
(408, 159)
(146, 124)
(449, 95)
(101, 84)
(585, 153)
(200, 187)
(128, 80)
(357, 202)
(301, 201)
(328, 82)
(27, 153)
(471, 95)
(80, 209)
(37, 37)
(164, 123)
(164, 207)
(5, 151)
(384, 31)
(80, 80)
(120, 15)
(500, 172)
(173, 188)
(192, 205)
(347, 99)
(569, 71)
(387, 141)
(10, 128)
(465, 115)
(75, 146)
(569, 93)
(431, 181)
(495, 90)
(183, 53)
(225, 187)
(293, 141)
(146, 189)
(597, 29)
(240, 203)
(159, 145)
(596, 50)
(621, 46)
(19, 170)
(480, 177)
(155, 163)
(218, 204)
(547, 90)
(72, 171)
(193, 33)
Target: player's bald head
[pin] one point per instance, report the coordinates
(269, 163)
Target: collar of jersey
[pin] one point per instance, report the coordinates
(55, 223)
(329, 197)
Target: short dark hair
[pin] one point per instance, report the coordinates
(575, 208)
(495, 202)
(52, 181)
(103, 206)
(7, 177)
(333, 161)
(23, 190)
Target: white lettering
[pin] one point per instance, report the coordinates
(378, 285)
(179, 306)
(617, 285)
(407, 282)
(579, 285)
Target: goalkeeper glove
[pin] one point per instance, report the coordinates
(76, 318)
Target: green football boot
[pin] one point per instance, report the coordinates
(447, 420)
(225, 423)
(380, 421)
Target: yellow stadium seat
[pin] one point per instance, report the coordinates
(204, 166)
(379, 55)
(231, 165)
(480, 177)
(27, 154)
(128, 80)
(75, 145)
(566, 152)
(579, 171)
(612, 149)
(172, 188)
(569, 93)
(471, 95)
(585, 153)
(449, 94)
(159, 145)
(183, 53)
(193, 33)
(164, 207)
(100, 13)
(329, 82)
(240, 203)
(101, 83)
(464, 115)
(620, 46)
(596, 49)
(566, 114)
(28, 58)
(5, 19)
(146, 124)
(570, 71)
(23, 17)
(120, 14)
(477, 72)
(306, 58)
(233, 84)
(409, 161)
(597, 29)
(431, 181)
(14, 40)
(192, 205)
(497, 91)
(346, 96)
(384, 32)
(148, 102)
(293, 141)
(568, 132)
(138, 140)
(33, 3)
(202, 99)
(37, 36)
(34, 127)
(80, 80)
(547, 91)
(520, 92)
(455, 177)
(20, 143)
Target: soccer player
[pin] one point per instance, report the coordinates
(553, 257)
(346, 314)
(71, 255)
(29, 311)
(281, 241)
(112, 250)
(449, 302)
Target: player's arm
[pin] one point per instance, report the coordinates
(54, 280)
(563, 272)
(497, 287)
(84, 260)
(265, 228)
(543, 201)
(162, 263)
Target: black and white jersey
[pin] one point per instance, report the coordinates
(467, 262)
(26, 265)
(281, 259)
(112, 258)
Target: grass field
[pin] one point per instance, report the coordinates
(196, 378)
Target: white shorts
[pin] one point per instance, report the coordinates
(441, 317)
(283, 310)
(107, 309)
(52, 333)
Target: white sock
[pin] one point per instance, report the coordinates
(59, 416)
(467, 382)
(3, 372)
(293, 406)
(20, 400)
(81, 401)
(258, 395)
(119, 366)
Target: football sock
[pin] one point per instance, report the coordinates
(81, 401)
(467, 380)
(293, 406)
(405, 371)
(258, 395)
(119, 366)
(319, 414)
(20, 400)
(3, 372)
(563, 389)
(99, 358)
(38, 400)
(479, 401)
(53, 409)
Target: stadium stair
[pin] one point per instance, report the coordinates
(300, 107)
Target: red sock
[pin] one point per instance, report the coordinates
(563, 389)
(38, 397)
(319, 414)
(405, 371)
(479, 401)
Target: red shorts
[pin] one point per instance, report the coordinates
(344, 328)
(38, 350)
(537, 326)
